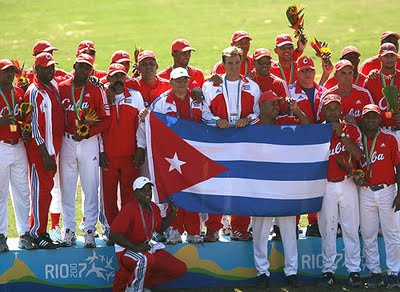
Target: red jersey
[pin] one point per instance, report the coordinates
(289, 75)
(245, 68)
(374, 63)
(150, 91)
(93, 98)
(375, 88)
(358, 80)
(5, 133)
(385, 158)
(133, 226)
(59, 75)
(48, 118)
(124, 116)
(272, 82)
(337, 148)
(196, 76)
(352, 104)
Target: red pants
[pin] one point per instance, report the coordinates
(240, 223)
(187, 221)
(122, 170)
(150, 269)
(312, 218)
(41, 185)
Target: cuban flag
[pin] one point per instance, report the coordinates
(258, 170)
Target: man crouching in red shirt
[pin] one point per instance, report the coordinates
(141, 264)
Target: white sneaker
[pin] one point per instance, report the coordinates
(89, 239)
(69, 239)
(56, 234)
(194, 238)
(174, 237)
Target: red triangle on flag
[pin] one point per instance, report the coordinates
(177, 165)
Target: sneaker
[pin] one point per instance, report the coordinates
(375, 280)
(292, 281)
(262, 281)
(313, 230)
(241, 235)
(159, 237)
(276, 233)
(44, 242)
(69, 239)
(211, 236)
(393, 281)
(194, 238)
(89, 239)
(27, 242)
(355, 280)
(56, 234)
(328, 279)
(3, 243)
(174, 237)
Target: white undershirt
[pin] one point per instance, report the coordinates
(232, 94)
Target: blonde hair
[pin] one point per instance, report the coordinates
(231, 52)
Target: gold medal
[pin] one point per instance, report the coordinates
(13, 128)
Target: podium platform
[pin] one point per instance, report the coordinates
(218, 264)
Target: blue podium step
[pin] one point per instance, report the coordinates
(222, 263)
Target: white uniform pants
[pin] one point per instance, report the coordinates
(79, 158)
(376, 207)
(340, 203)
(55, 205)
(261, 228)
(14, 172)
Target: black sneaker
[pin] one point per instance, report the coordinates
(262, 281)
(27, 242)
(355, 280)
(292, 281)
(328, 279)
(3, 243)
(44, 242)
(393, 281)
(313, 230)
(374, 281)
(277, 232)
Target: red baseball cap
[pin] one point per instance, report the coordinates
(283, 39)
(181, 45)
(387, 48)
(44, 59)
(341, 64)
(85, 58)
(85, 45)
(240, 34)
(388, 33)
(371, 108)
(120, 56)
(43, 46)
(305, 62)
(5, 63)
(348, 50)
(146, 54)
(259, 53)
(269, 96)
(331, 98)
(115, 68)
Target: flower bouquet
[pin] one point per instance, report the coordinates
(86, 119)
(136, 53)
(25, 117)
(23, 82)
(321, 50)
(295, 15)
(360, 177)
(391, 94)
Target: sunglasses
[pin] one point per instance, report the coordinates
(286, 48)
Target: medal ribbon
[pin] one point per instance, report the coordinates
(368, 154)
(238, 95)
(283, 74)
(10, 110)
(144, 221)
(384, 82)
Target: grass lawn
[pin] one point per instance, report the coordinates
(207, 24)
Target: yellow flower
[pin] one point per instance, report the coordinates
(82, 130)
(325, 50)
(27, 128)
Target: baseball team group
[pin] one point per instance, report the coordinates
(57, 127)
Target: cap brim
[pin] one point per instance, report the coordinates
(49, 49)
(369, 111)
(84, 61)
(115, 72)
(284, 43)
(341, 67)
(261, 56)
(7, 66)
(349, 52)
(123, 60)
(388, 52)
(241, 37)
(305, 67)
(177, 77)
(185, 49)
(49, 64)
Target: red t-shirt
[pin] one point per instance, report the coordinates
(94, 98)
(358, 80)
(375, 88)
(337, 148)
(374, 63)
(196, 76)
(150, 91)
(272, 82)
(290, 74)
(5, 133)
(384, 159)
(129, 222)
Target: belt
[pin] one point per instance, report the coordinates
(11, 142)
(69, 136)
(378, 187)
(391, 128)
(337, 179)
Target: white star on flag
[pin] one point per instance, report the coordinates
(175, 163)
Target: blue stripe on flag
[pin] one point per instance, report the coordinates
(274, 171)
(244, 206)
(290, 135)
